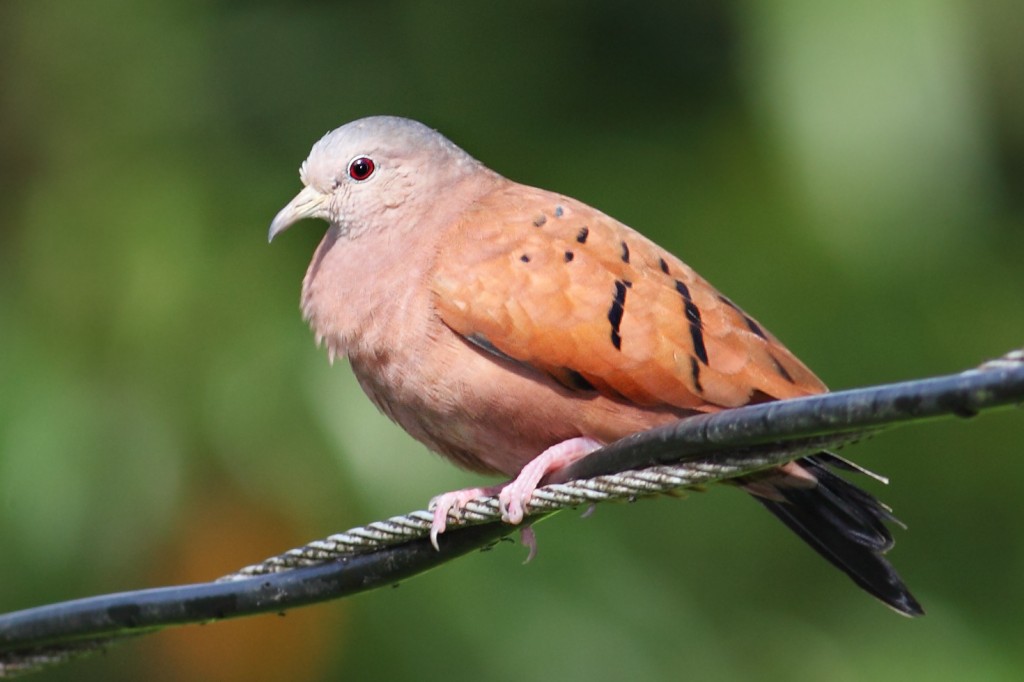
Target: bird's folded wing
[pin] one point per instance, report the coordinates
(549, 282)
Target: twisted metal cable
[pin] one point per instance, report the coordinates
(623, 486)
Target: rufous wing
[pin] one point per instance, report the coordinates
(552, 283)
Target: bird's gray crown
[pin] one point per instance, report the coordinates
(381, 138)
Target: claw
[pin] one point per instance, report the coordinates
(528, 539)
(452, 504)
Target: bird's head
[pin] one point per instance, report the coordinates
(373, 173)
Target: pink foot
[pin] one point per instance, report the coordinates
(453, 503)
(514, 498)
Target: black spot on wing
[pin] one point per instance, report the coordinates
(696, 326)
(726, 300)
(524, 258)
(780, 370)
(581, 236)
(695, 374)
(697, 335)
(692, 313)
(569, 255)
(664, 266)
(483, 343)
(615, 312)
(625, 252)
(569, 378)
(577, 381)
(754, 327)
(751, 325)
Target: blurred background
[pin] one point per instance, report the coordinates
(850, 173)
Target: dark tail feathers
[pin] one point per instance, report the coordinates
(843, 523)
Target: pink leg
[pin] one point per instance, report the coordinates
(515, 497)
(453, 503)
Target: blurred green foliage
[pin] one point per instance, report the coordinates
(849, 172)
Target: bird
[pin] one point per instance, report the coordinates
(513, 330)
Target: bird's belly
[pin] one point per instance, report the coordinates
(487, 414)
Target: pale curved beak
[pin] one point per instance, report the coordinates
(309, 203)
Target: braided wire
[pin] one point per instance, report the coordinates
(622, 486)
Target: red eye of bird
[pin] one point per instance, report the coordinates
(361, 168)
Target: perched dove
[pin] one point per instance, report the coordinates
(514, 330)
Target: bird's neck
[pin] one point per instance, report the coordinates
(358, 280)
